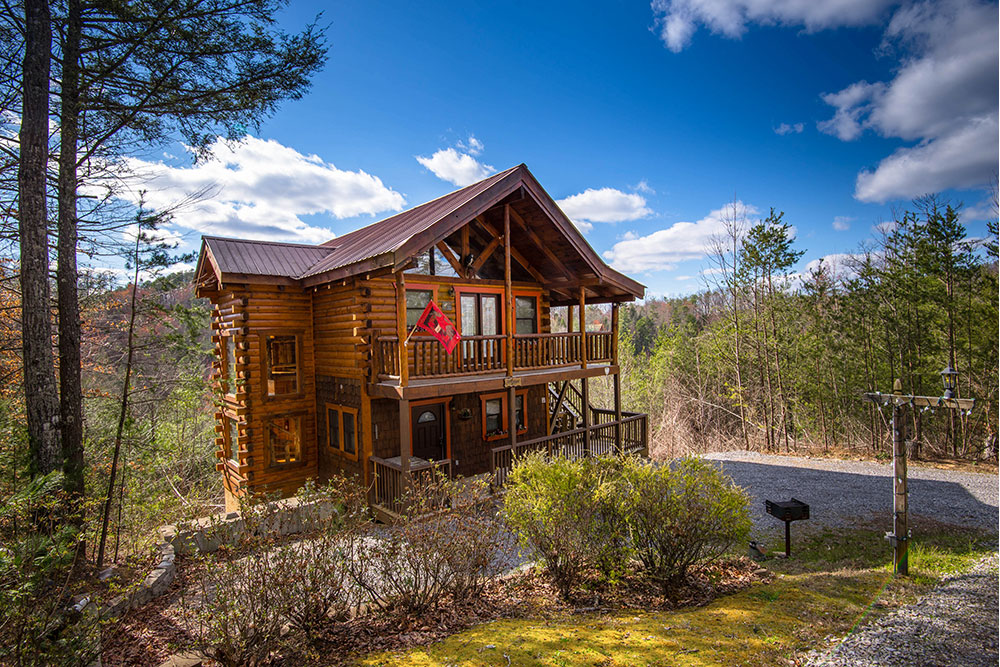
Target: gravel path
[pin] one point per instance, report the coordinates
(955, 625)
(841, 493)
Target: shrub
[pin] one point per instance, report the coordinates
(39, 561)
(682, 514)
(244, 598)
(546, 503)
(315, 569)
(407, 568)
(605, 513)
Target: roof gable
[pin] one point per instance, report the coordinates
(394, 241)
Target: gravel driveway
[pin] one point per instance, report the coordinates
(841, 493)
(955, 624)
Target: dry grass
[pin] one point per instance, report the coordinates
(835, 582)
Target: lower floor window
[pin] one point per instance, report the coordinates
(284, 439)
(232, 426)
(496, 417)
(342, 429)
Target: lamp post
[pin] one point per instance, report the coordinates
(900, 535)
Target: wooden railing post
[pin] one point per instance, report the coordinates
(583, 326)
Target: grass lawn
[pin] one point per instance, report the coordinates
(833, 581)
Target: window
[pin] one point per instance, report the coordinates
(232, 427)
(281, 361)
(227, 358)
(526, 314)
(480, 314)
(416, 301)
(495, 418)
(433, 263)
(283, 439)
(342, 430)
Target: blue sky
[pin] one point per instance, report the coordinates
(644, 120)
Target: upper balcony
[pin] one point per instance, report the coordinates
(480, 362)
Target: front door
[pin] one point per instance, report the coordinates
(429, 432)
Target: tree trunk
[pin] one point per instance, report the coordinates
(123, 412)
(70, 389)
(41, 400)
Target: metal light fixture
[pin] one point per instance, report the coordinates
(949, 376)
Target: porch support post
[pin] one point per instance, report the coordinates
(617, 380)
(585, 397)
(508, 299)
(404, 436)
(404, 362)
(618, 413)
(512, 418)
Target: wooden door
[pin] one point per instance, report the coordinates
(429, 432)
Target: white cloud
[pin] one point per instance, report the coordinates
(965, 157)
(257, 189)
(683, 277)
(167, 237)
(457, 167)
(643, 186)
(842, 223)
(473, 146)
(603, 205)
(677, 20)
(785, 128)
(942, 96)
(661, 250)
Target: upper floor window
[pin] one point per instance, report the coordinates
(281, 359)
(433, 263)
(416, 301)
(232, 430)
(526, 314)
(227, 361)
(480, 314)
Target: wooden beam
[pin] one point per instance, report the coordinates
(511, 417)
(485, 254)
(559, 402)
(583, 326)
(508, 294)
(465, 252)
(515, 253)
(404, 437)
(541, 245)
(404, 365)
(450, 256)
(614, 334)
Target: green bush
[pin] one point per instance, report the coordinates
(682, 514)
(605, 514)
(545, 502)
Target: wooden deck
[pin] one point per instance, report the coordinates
(626, 437)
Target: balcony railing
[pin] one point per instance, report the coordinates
(394, 491)
(572, 444)
(427, 358)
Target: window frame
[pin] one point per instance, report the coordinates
(265, 364)
(419, 287)
(339, 449)
(504, 414)
(300, 461)
(461, 291)
(227, 375)
(537, 319)
(232, 449)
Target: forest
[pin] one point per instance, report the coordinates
(770, 359)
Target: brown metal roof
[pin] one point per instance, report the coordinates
(393, 241)
(263, 258)
(391, 234)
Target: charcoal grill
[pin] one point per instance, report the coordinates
(787, 511)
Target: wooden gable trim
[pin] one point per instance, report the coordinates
(459, 217)
(576, 239)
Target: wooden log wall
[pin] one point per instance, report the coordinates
(248, 314)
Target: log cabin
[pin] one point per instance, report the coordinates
(319, 367)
